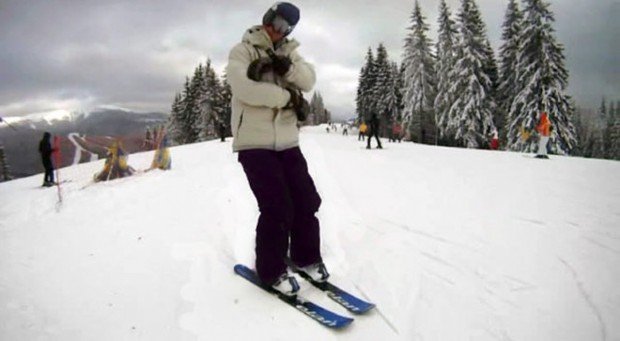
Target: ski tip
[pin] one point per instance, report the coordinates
(367, 308)
(240, 268)
(343, 323)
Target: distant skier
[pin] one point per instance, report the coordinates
(396, 132)
(345, 130)
(221, 128)
(544, 130)
(374, 131)
(46, 150)
(267, 75)
(362, 131)
(494, 145)
(148, 140)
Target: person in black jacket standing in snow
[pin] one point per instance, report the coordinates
(46, 150)
(374, 131)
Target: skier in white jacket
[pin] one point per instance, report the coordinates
(267, 75)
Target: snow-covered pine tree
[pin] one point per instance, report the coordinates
(508, 60)
(393, 99)
(322, 112)
(5, 173)
(471, 114)
(419, 80)
(614, 152)
(600, 125)
(177, 122)
(446, 59)
(542, 80)
(608, 123)
(492, 70)
(581, 129)
(382, 87)
(364, 100)
(226, 113)
(317, 110)
(211, 103)
(193, 110)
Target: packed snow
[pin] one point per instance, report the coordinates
(451, 244)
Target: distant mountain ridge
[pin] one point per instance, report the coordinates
(21, 144)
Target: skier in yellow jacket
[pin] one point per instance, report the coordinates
(363, 129)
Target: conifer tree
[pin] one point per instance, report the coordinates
(446, 59)
(211, 102)
(381, 91)
(193, 111)
(471, 114)
(226, 113)
(393, 97)
(601, 140)
(614, 148)
(203, 104)
(542, 80)
(364, 100)
(5, 173)
(419, 80)
(317, 110)
(177, 127)
(508, 55)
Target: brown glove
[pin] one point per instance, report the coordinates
(299, 104)
(258, 67)
(281, 65)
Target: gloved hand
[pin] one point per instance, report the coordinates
(258, 67)
(299, 104)
(281, 64)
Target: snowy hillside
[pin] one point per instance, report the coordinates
(450, 244)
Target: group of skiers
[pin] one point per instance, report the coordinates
(116, 158)
(372, 130)
(543, 128)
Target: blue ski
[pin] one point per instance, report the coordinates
(350, 302)
(316, 312)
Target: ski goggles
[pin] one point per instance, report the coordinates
(282, 26)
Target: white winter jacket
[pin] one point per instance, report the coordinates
(258, 119)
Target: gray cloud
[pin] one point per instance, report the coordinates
(63, 54)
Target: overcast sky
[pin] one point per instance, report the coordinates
(135, 54)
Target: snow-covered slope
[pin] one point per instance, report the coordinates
(450, 244)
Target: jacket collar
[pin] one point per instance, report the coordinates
(258, 37)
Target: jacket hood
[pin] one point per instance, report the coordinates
(257, 36)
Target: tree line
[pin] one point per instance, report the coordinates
(599, 133)
(456, 92)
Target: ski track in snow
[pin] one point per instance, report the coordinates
(587, 297)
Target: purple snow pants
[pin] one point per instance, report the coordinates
(287, 200)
